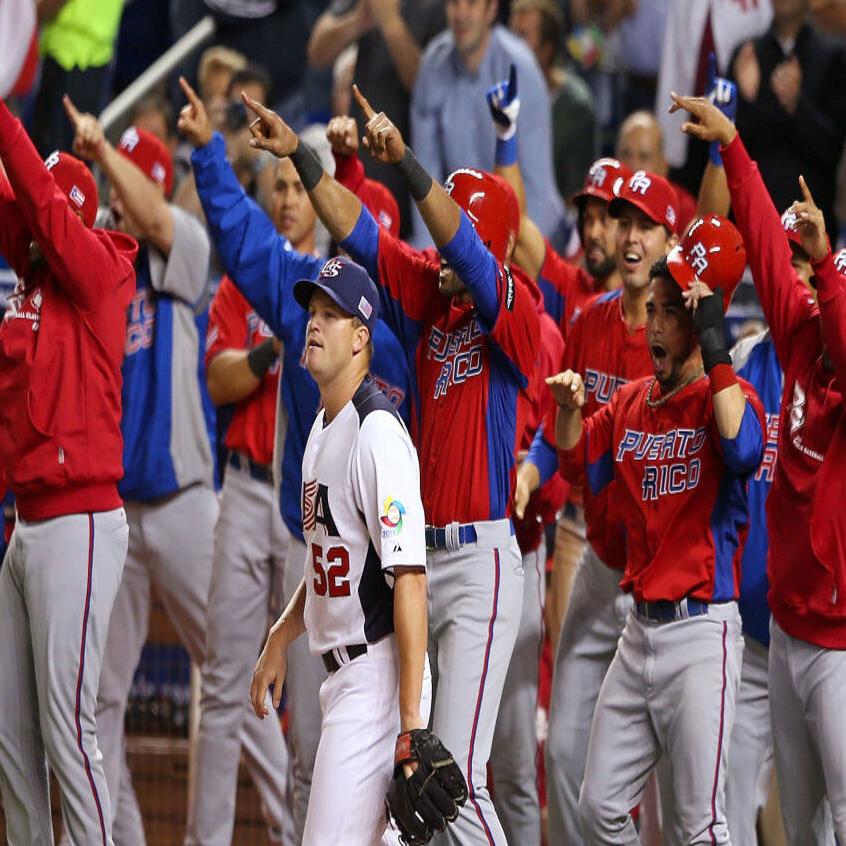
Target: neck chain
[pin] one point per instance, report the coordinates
(651, 403)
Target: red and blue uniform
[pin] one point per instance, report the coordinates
(680, 487)
(469, 361)
(566, 288)
(607, 354)
(234, 324)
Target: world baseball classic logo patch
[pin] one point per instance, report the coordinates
(391, 519)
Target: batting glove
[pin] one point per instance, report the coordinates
(722, 93)
(505, 107)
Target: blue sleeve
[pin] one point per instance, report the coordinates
(363, 243)
(543, 456)
(743, 453)
(470, 259)
(259, 260)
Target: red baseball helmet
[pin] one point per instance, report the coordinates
(150, 154)
(490, 203)
(788, 221)
(600, 180)
(76, 182)
(650, 193)
(712, 252)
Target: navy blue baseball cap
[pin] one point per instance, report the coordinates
(348, 285)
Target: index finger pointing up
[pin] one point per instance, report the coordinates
(189, 92)
(365, 107)
(72, 111)
(806, 191)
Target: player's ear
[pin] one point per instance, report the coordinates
(362, 336)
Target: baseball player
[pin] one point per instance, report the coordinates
(167, 482)
(679, 449)
(61, 344)
(607, 344)
(471, 351)
(805, 507)
(264, 267)
(362, 600)
(242, 360)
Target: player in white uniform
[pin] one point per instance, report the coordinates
(362, 600)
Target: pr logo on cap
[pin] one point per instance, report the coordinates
(130, 138)
(840, 262)
(640, 183)
(52, 160)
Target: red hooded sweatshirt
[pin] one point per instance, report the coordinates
(806, 507)
(61, 343)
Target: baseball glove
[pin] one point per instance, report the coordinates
(426, 801)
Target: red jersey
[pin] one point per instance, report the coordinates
(234, 325)
(680, 487)
(61, 343)
(807, 592)
(470, 363)
(566, 288)
(607, 355)
(545, 502)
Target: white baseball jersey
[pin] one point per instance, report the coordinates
(362, 516)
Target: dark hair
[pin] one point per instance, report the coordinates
(659, 270)
(251, 73)
(551, 20)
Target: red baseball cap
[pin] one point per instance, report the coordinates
(381, 204)
(650, 193)
(146, 151)
(600, 180)
(712, 252)
(76, 182)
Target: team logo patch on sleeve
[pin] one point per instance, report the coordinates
(391, 519)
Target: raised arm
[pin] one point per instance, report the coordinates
(70, 247)
(255, 256)
(782, 294)
(141, 199)
(504, 105)
(14, 238)
(830, 274)
(332, 34)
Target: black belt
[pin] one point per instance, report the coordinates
(353, 651)
(666, 611)
(259, 472)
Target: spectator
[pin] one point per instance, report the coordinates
(77, 47)
(390, 35)
(450, 123)
(693, 32)
(217, 65)
(640, 145)
(792, 105)
(575, 134)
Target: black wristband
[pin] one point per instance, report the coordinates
(260, 359)
(419, 182)
(709, 322)
(308, 166)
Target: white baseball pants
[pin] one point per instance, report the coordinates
(807, 696)
(475, 600)
(590, 631)
(249, 552)
(514, 754)
(57, 586)
(670, 690)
